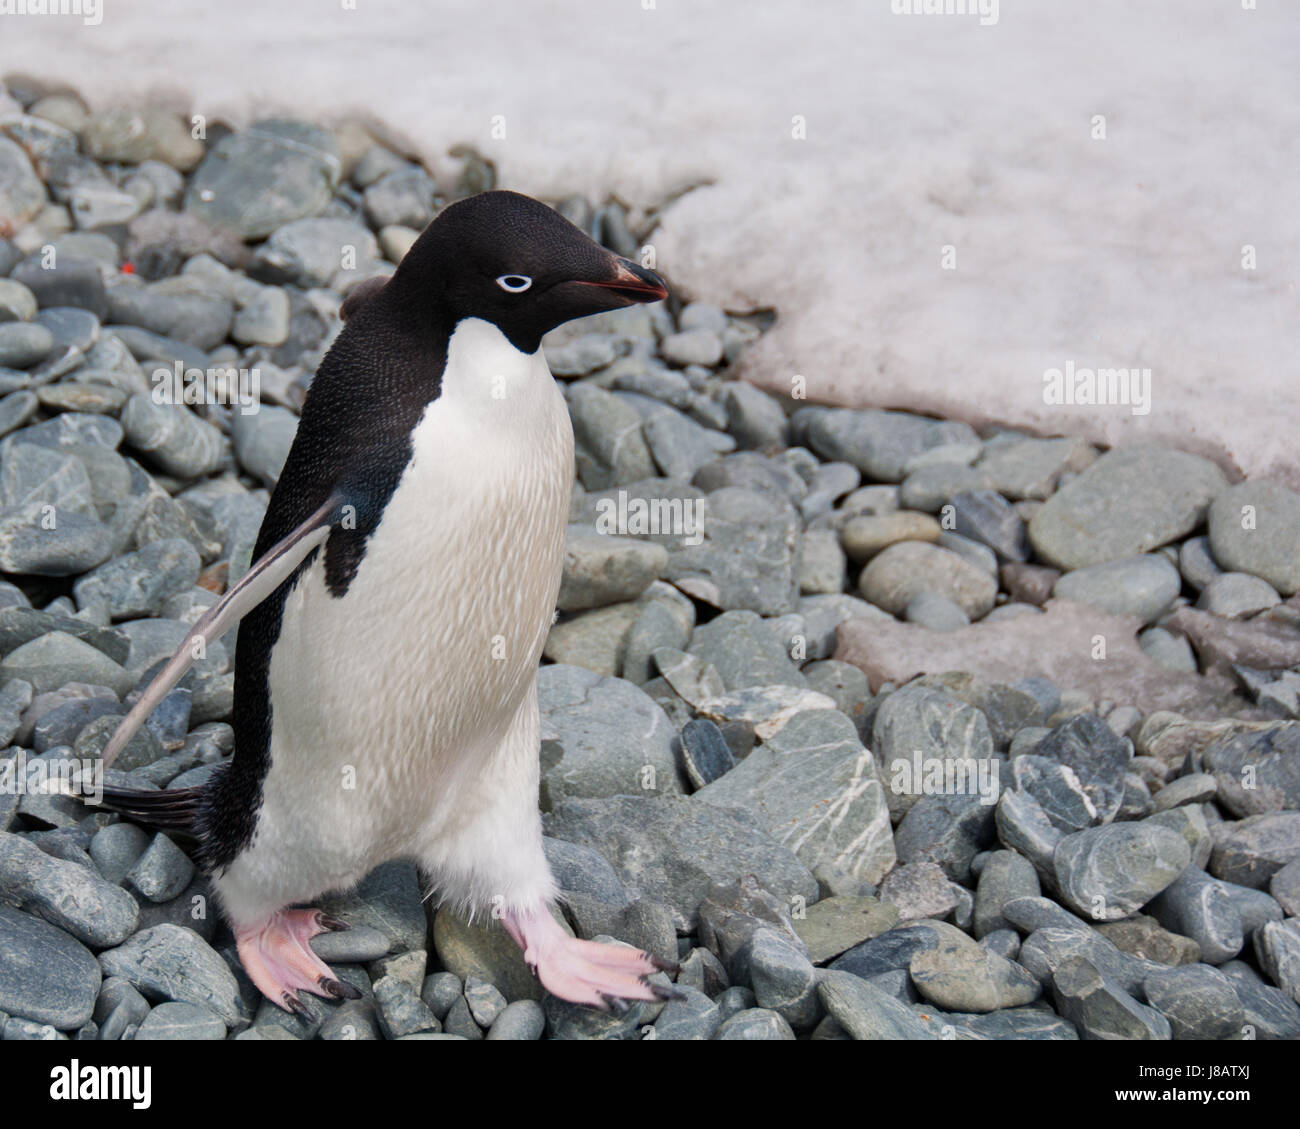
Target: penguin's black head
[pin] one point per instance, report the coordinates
(512, 261)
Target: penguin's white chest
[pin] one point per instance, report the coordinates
(389, 703)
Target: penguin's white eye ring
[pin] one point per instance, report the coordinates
(514, 283)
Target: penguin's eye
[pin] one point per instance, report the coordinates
(514, 283)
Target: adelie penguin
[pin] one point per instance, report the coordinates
(405, 578)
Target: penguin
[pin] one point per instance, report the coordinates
(390, 629)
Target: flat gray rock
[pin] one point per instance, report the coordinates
(673, 849)
(168, 962)
(253, 182)
(1255, 528)
(601, 737)
(95, 912)
(45, 975)
(866, 1012)
(1143, 586)
(1131, 500)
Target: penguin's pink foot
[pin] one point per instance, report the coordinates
(278, 959)
(585, 972)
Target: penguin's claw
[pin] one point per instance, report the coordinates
(280, 962)
(602, 976)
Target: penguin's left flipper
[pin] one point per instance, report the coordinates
(267, 574)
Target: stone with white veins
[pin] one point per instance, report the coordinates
(1201, 908)
(919, 721)
(1098, 757)
(813, 787)
(1107, 873)
(1277, 946)
(1103, 1010)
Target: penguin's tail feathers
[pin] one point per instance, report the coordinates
(174, 810)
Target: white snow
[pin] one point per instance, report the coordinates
(922, 131)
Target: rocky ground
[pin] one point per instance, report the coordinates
(1076, 672)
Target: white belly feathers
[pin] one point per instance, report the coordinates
(389, 702)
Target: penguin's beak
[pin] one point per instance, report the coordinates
(630, 282)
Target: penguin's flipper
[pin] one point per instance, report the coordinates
(271, 570)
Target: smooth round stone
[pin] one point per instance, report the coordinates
(1171, 651)
(981, 556)
(23, 344)
(692, 347)
(1106, 873)
(116, 848)
(173, 437)
(865, 1011)
(357, 945)
(865, 536)
(1255, 528)
(70, 326)
(822, 567)
(16, 409)
(1142, 586)
(902, 571)
(930, 487)
(1022, 468)
(1277, 946)
(256, 181)
(938, 613)
(1197, 563)
(1236, 595)
(755, 1024)
(17, 302)
(989, 519)
(522, 1020)
(1144, 937)
(440, 992)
